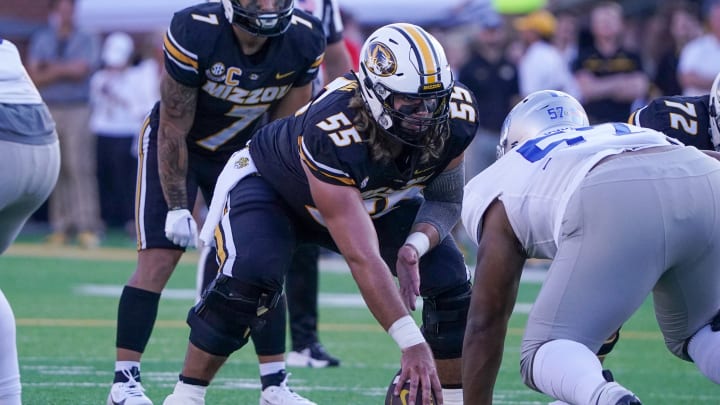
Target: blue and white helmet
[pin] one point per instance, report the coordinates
(537, 114)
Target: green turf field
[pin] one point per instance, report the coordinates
(65, 302)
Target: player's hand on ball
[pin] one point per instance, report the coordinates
(421, 382)
(180, 228)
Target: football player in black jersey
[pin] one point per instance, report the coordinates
(371, 168)
(693, 120)
(227, 64)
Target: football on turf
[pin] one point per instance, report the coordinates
(402, 399)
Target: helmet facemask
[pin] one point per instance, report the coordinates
(417, 119)
(270, 19)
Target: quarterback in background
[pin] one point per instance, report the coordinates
(371, 168)
(598, 201)
(227, 65)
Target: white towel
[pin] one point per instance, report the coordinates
(239, 166)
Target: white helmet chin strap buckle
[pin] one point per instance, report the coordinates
(385, 121)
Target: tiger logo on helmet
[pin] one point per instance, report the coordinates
(380, 60)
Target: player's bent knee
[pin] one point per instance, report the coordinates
(444, 319)
(704, 349)
(221, 322)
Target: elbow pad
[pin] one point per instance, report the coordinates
(443, 201)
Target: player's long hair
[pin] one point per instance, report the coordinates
(384, 148)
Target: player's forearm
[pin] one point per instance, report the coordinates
(482, 356)
(177, 112)
(172, 166)
(378, 290)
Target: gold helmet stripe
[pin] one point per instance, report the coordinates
(425, 52)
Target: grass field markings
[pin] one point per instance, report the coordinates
(330, 300)
(324, 326)
(534, 270)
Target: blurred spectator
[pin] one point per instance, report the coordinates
(684, 26)
(337, 56)
(353, 38)
(61, 59)
(541, 67)
(565, 39)
(610, 77)
(700, 59)
(494, 81)
(119, 103)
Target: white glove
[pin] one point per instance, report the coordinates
(180, 228)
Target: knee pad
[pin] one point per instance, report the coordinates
(228, 310)
(444, 319)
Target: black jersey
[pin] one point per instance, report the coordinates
(686, 119)
(235, 89)
(323, 136)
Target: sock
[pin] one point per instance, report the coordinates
(137, 311)
(123, 368)
(452, 396)
(275, 378)
(10, 388)
(193, 381)
(704, 349)
(567, 370)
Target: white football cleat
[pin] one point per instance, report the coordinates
(128, 393)
(282, 395)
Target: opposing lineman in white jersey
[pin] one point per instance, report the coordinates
(29, 166)
(622, 211)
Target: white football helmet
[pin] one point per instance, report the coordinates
(714, 106)
(272, 18)
(405, 60)
(537, 114)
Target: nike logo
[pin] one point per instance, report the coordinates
(279, 76)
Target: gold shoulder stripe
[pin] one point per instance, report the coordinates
(313, 167)
(177, 54)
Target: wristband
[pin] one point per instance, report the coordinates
(419, 241)
(405, 332)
